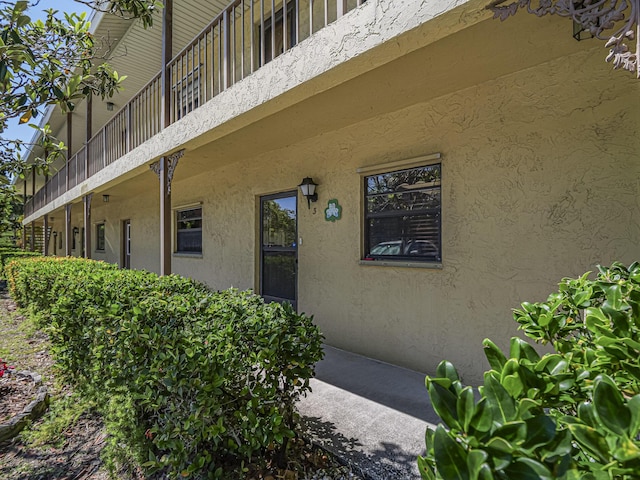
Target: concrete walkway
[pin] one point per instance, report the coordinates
(370, 414)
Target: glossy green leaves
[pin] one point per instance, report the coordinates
(573, 414)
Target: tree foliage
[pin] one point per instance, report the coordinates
(571, 414)
(55, 61)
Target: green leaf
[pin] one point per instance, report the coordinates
(626, 450)
(476, 459)
(633, 404)
(540, 431)
(494, 355)
(613, 293)
(590, 439)
(594, 317)
(587, 413)
(499, 401)
(447, 370)
(521, 350)
(451, 458)
(528, 469)
(444, 404)
(482, 419)
(610, 406)
(465, 407)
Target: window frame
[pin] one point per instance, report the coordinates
(101, 226)
(428, 261)
(177, 212)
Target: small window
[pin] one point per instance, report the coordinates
(100, 242)
(189, 230)
(402, 215)
(188, 93)
(276, 37)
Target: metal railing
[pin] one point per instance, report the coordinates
(246, 35)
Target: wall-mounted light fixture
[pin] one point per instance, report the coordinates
(110, 106)
(105, 198)
(308, 189)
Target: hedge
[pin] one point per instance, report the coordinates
(7, 254)
(188, 380)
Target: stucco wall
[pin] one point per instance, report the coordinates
(540, 181)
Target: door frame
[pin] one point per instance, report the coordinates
(126, 243)
(261, 199)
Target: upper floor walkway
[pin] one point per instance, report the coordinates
(242, 39)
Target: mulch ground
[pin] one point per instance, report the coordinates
(78, 458)
(15, 394)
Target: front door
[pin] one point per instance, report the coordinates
(126, 244)
(279, 247)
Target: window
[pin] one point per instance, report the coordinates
(100, 237)
(402, 215)
(189, 230)
(277, 36)
(188, 93)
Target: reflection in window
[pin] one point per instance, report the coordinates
(189, 230)
(100, 238)
(402, 215)
(279, 222)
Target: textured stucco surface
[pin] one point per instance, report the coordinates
(539, 181)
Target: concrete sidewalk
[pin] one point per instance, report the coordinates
(371, 414)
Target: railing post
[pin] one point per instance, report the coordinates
(167, 53)
(104, 146)
(341, 7)
(25, 207)
(87, 225)
(45, 230)
(33, 237)
(226, 50)
(67, 230)
(69, 141)
(89, 134)
(129, 129)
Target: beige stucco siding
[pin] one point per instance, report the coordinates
(539, 144)
(539, 174)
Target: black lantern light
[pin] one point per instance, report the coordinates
(308, 189)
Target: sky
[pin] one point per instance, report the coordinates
(24, 132)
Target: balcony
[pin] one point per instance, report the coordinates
(243, 37)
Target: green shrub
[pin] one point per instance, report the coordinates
(7, 254)
(188, 379)
(572, 414)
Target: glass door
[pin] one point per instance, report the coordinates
(279, 247)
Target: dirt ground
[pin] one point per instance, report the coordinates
(78, 458)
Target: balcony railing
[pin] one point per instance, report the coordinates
(246, 35)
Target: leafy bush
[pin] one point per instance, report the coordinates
(7, 254)
(572, 414)
(187, 379)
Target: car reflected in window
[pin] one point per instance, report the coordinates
(404, 248)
